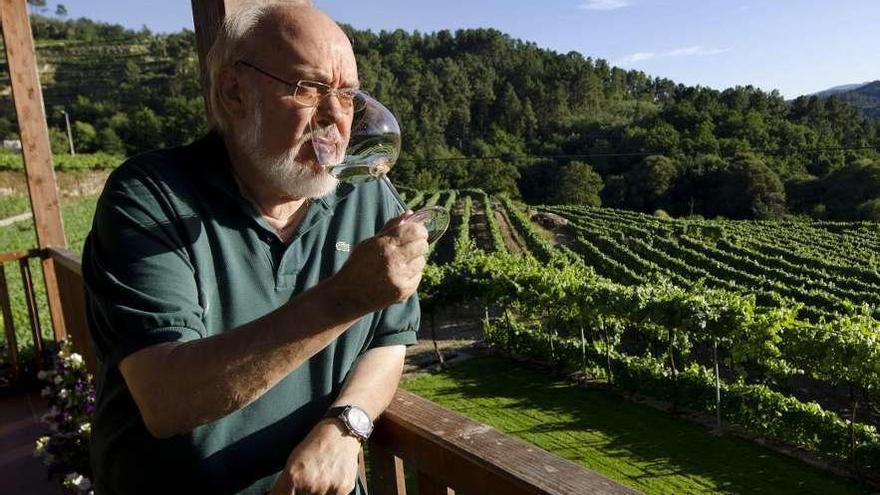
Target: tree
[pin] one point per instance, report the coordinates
(749, 189)
(763, 188)
(850, 187)
(61, 10)
(870, 210)
(650, 180)
(142, 132)
(37, 5)
(85, 136)
(8, 130)
(579, 184)
(58, 141)
(110, 142)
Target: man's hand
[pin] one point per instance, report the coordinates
(387, 268)
(324, 463)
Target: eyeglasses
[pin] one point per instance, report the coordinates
(311, 93)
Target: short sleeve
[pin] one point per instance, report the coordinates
(398, 324)
(140, 285)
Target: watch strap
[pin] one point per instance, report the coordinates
(335, 412)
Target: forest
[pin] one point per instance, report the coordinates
(480, 109)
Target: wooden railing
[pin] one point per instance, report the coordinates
(449, 453)
(442, 451)
(22, 258)
(68, 273)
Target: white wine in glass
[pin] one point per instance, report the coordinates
(372, 150)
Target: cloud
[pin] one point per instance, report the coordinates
(604, 4)
(688, 51)
(635, 57)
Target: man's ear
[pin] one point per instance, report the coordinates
(231, 93)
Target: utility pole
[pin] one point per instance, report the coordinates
(69, 133)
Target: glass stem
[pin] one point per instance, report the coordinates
(384, 178)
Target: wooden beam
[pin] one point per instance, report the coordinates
(34, 132)
(17, 255)
(208, 15)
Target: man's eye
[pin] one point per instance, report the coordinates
(306, 94)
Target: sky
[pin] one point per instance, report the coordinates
(794, 46)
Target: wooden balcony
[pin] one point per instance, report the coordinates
(440, 451)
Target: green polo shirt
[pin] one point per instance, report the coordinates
(177, 254)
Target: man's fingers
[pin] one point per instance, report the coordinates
(417, 266)
(415, 249)
(406, 232)
(395, 222)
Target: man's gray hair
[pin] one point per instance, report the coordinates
(228, 47)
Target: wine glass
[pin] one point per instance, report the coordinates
(372, 149)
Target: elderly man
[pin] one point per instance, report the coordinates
(244, 347)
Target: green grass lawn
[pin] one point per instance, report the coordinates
(77, 216)
(636, 445)
(13, 205)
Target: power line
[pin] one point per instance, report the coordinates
(767, 151)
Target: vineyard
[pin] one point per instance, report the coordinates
(768, 326)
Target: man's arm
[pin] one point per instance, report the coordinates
(373, 381)
(326, 461)
(178, 386)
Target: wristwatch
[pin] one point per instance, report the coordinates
(355, 420)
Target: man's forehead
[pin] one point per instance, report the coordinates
(306, 43)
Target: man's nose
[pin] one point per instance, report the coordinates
(330, 110)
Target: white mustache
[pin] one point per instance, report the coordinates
(329, 132)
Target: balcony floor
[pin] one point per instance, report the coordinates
(20, 472)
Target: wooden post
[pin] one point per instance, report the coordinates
(208, 15)
(30, 298)
(34, 132)
(9, 326)
(386, 472)
(430, 486)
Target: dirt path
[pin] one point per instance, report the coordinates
(15, 219)
(514, 242)
(479, 229)
(444, 250)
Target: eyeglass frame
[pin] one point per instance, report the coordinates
(327, 90)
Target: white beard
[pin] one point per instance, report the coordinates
(282, 171)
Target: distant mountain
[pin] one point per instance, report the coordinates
(865, 96)
(843, 88)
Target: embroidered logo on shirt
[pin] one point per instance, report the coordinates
(343, 246)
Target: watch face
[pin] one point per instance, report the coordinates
(359, 421)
